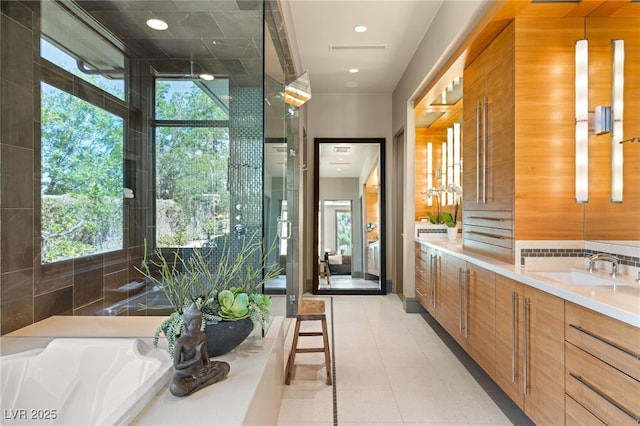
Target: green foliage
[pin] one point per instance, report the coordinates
(234, 304)
(448, 219)
(436, 219)
(192, 162)
(230, 290)
(82, 163)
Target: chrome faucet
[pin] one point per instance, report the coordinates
(604, 256)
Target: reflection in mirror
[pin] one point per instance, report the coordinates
(349, 216)
(607, 221)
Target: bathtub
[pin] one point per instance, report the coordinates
(82, 381)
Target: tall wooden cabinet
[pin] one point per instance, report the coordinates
(529, 361)
(489, 148)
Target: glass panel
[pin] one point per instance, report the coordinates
(192, 100)
(82, 177)
(70, 44)
(192, 195)
(276, 215)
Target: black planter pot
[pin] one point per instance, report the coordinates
(224, 336)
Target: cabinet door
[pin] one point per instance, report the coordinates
(544, 357)
(509, 338)
(451, 311)
(474, 90)
(480, 327)
(488, 124)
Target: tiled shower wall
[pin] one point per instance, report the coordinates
(30, 292)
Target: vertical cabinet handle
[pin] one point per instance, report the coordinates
(436, 280)
(514, 299)
(460, 300)
(463, 299)
(525, 370)
(432, 277)
(484, 149)
(466, 303)
(478, 136)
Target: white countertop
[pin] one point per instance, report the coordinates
(619, 302)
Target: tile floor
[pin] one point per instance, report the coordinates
(390, 368)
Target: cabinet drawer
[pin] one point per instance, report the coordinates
(421, 291)
(421, 270)
(577, 415)
(611, 395)
(612, 341)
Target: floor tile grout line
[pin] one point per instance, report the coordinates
(333, 367)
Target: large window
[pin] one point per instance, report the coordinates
(82, 157)
(83, 110)
(192, 158)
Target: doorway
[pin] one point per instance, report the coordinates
(349, 237)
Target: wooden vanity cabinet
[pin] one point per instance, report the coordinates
(480, 316)
(529, 339)
(421, 290)
(450, 304)
(602, 368)
(467, 309)
(428, 272)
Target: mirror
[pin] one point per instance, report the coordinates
(349, 177)
(606, 221)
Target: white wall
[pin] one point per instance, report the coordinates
(341, 115)
(347, 115)
(454, 21)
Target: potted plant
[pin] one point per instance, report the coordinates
(451, 220)
(226, 285)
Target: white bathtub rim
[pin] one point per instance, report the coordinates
(127, 407)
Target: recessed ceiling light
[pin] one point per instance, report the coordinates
(354, 70)
(207, 77)
(157, 24)
(360, 29)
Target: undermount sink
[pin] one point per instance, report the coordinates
(577, 277)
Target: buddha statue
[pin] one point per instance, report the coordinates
(193, 370)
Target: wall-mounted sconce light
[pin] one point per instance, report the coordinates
(429, 170)
(457, 155)
(617, 101)
(449, 164)
(298, 92)
(582, 121)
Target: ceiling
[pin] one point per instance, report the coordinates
(328, 46)
(224, 37)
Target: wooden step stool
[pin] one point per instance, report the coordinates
(310, 310)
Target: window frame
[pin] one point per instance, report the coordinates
(67, 82)
(172, 123)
